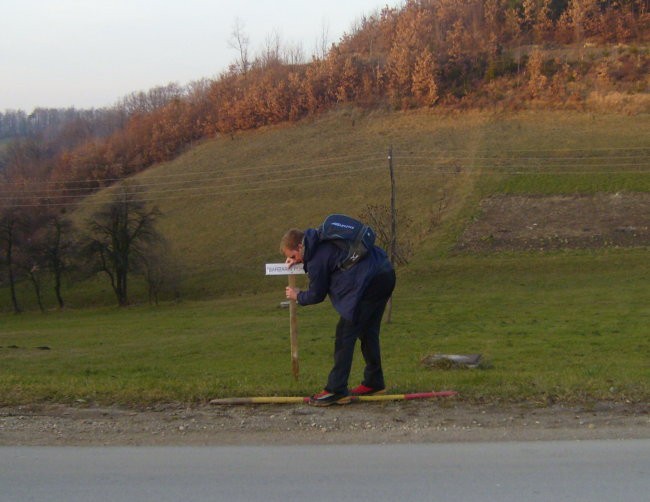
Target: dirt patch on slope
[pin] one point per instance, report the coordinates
(516, 222)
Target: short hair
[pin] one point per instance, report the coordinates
(292, 239)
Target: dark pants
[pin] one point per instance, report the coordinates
(366, 328)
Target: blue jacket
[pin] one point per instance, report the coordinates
(345, 287)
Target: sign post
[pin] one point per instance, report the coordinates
(283, 269)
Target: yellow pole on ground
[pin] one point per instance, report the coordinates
(297, 399)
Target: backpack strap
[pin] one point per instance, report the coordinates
(348, 234)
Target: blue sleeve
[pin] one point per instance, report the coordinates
(318, 270)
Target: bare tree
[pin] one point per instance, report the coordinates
(57, 248)
(34, 272)
(120, 232)
(379, 218)
(9, 228)
(30, 258)
(240, 42)
(272, 50)
(294, 54)
(153, 99)
(322, 42)
(160, 272)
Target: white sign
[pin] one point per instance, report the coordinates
(283, 269)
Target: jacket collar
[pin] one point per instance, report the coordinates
(309, 244)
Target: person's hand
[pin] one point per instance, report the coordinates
(290, 262)
(292, 293)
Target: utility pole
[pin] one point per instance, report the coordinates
(393, 227)
(393, 210)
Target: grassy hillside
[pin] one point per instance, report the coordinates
(227, 201)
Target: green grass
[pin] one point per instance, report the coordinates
(563, 326)
(568, 327)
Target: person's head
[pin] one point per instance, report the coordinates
(291, 244)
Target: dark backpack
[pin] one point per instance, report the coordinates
(348, 234)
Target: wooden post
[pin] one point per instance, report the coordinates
(392, 251)
(393, 209)
(293, 330)
(283, 269)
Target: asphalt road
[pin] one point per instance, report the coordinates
(526, 471)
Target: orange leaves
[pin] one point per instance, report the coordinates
(424, 87)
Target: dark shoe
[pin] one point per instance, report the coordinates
(326, 398)
(362, 390)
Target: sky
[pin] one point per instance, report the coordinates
(91, 53)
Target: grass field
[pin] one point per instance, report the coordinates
(568, 327)
(561, 326)
(564, 327)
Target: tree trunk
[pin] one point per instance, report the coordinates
(12, 280)
(37, 289)
(57, 287)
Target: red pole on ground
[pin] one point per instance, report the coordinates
(298, 399)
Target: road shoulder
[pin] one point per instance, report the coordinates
(361, 423)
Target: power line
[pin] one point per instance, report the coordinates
(248, 179)
(200, 177)
(261, 168)
(422, 154)
(216, 184)
(201, 191)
